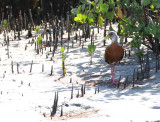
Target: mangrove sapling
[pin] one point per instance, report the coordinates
(37, 29)
(39, 42)
(63, 55)
(5, 29)
(91, 49)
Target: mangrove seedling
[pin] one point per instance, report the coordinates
(5, 22)
(91, 49)
(39, 40)
(4, 27)
(37, 29)
(39, 43)
(63, 55)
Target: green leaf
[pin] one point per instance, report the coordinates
(145, 2)
(96, 10)
(91, 49)
(111, 29)
(129, 29)
(62, 49)
(112, 4)
(96, 1)
(110, 15)
(104, 9)
(137, 44)
(90, 21)
(90, 52)
(100, 2)
(135, 4)
(83, 7)
(100, 20)
(132, 43)
(122, 31)
(157, 36)
(124, 2)
(155, 11)
(93, 3)
(151, 29)
(84, 17)
(80, 18)
(64, 71)
(74, 11)
(37, 29)
(63, 58)
(77, 19)
(5, 22)
(158, 28)
(140, 53)
(79, 8)
(139, 27)
(152, 6)
(39, 40)
(156, 3)
(154, 30)
(146, 30)
(136, 35)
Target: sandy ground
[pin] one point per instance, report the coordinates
(28, 96)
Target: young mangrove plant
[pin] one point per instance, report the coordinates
(63, 55)
(39, 40)
(37, 29)
(4, 27)
(5, 23)
(39, 43)
(91, 49)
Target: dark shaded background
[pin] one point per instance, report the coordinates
(54, 7)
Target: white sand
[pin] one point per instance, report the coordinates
(24, 103)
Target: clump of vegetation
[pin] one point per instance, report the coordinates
(138, 20)
(142, 26)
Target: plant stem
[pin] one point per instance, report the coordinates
(91, 58)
